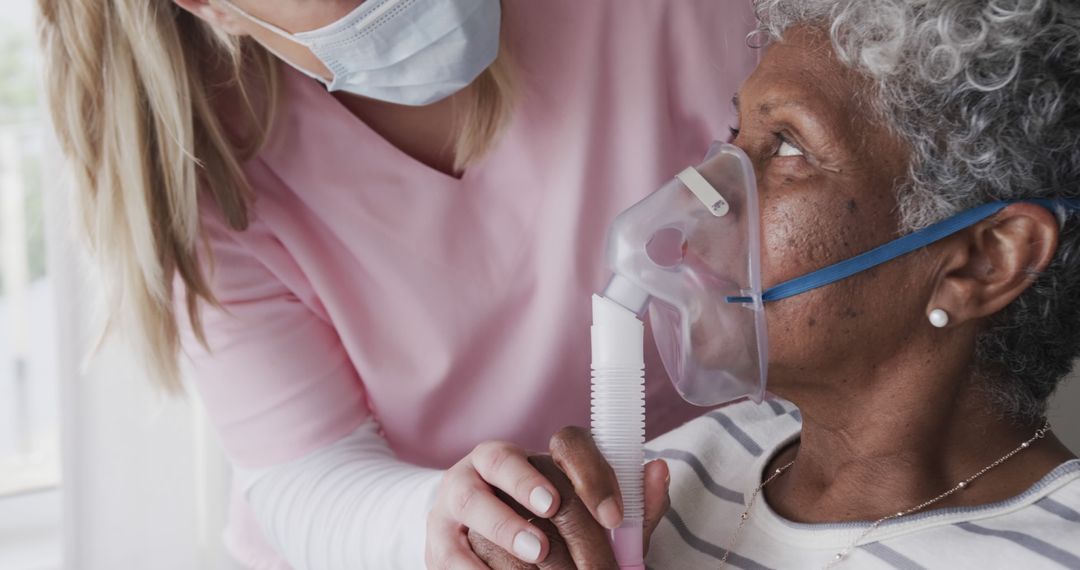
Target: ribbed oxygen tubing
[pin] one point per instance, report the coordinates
(618, 415)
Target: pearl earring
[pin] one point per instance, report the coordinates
(939, 318)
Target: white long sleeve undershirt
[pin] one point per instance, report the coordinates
(349, 506)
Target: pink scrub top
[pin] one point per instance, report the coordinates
(457, 311)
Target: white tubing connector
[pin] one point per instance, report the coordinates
(618, 415)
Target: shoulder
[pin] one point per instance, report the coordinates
(651, 14)
(1068, 494)
(673, 29)
(247, 269)
(1036, 528)
(1051, 508)
(688, 41)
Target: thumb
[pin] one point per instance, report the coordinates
(657, 501)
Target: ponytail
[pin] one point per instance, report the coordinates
(130, 85)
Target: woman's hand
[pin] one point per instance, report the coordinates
(467, 501)
(584, 480)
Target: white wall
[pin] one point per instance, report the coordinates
(147, 489)
(144, 482)
(1065, 412)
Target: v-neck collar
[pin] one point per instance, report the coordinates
(312, 115)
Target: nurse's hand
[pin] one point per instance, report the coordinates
(467, 501)
(580, 474)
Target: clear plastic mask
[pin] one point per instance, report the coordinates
(695, 247)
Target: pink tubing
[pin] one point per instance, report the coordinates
(626, 541)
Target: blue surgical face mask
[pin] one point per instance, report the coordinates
(410, 52)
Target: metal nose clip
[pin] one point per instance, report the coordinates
(709, 196)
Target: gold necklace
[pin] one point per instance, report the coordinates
(840, 556)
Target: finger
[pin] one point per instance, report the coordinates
(507, 468)
(448, 547)
(586, 540)
(594, 480)
(475, 505)
(657, 498)
(558, 557)
(496, 558)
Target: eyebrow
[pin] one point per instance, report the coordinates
(767, 107)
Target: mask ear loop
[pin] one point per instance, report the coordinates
(898, 247)
(282, 33)
(262, 23)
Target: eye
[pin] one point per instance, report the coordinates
(788, 149)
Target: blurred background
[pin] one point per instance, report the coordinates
(30, 436)
(97, 470)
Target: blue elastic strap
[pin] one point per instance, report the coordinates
(896, 248)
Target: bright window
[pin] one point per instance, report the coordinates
(29, 403)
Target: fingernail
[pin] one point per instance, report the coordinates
(609, 513)
(527, 546)
(541, 500)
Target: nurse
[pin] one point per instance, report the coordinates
(372, 228)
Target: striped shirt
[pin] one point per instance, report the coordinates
(717, 460)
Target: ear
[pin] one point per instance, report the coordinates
(988, 265)
(217, 14)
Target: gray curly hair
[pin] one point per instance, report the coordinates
(987, 95)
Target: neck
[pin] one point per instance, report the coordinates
(899, 442)
(427, 134)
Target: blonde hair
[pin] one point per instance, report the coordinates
(132, 86)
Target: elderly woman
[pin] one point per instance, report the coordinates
(911, 431)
